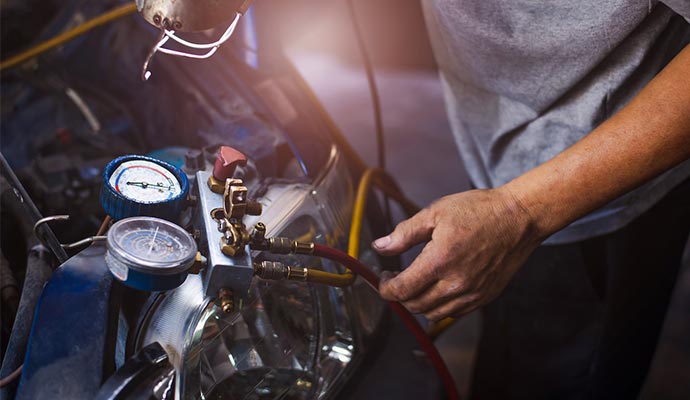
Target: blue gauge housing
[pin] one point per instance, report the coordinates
(149, 254)
(118, 206)
(152, 282)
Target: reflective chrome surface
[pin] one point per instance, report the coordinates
(189, 15)
(288, 339)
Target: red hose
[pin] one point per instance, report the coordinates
(408, 319)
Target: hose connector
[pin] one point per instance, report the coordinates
(271, 270)
(277, 271)
(283, 245)
(298, 273)
(302, 247)
(277, 244)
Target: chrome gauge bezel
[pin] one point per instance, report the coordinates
(134, 262)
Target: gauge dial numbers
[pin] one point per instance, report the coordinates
(145, 182)
(155, 246)
(150, 253)
(135, 185)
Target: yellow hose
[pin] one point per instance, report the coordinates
(330, 279)
(358, 213)
(384, 182)
(372, 175)
(439, 327)
(380, 178)
(64, 37)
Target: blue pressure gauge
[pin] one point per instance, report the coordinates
(149, 254)
(143, 186)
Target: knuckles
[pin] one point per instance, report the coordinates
(388, 291)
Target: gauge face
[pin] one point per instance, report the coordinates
(151, 244)
(145, 182)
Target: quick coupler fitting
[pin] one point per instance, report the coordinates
(277, 271)
(278, 244)
(283, 245)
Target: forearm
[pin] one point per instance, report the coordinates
(647, 137)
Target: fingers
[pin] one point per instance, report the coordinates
(456, 308)
(419, 276)
(408, 233)
(438, 294)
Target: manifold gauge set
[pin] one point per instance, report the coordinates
(149, 250)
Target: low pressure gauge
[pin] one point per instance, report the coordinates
(139, 185)
(149, 254)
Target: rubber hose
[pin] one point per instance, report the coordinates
(9, 292)
(11, 205)
(38, 271)
(408, 319)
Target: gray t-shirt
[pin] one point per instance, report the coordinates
(524, 80)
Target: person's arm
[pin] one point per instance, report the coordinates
(479, 239)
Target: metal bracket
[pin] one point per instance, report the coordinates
(234, 272)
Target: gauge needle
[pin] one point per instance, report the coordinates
(153, 241)
(146, 184)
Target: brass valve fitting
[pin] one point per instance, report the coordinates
(277, 271)
(278, 244)
(225, 299)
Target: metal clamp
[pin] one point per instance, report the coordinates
(68, 246)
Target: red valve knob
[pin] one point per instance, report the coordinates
(226, 161)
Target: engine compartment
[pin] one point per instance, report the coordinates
(65, 116)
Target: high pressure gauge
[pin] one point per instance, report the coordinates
(139, 185)
(149, 254)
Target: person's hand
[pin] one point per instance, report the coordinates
(477, 240)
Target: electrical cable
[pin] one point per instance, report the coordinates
(375, 99)
(64, 37)
(369, 69)
(11, 377)
(104, 225)
(408, 319)
(340, 140)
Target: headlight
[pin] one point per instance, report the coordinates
(288, 339)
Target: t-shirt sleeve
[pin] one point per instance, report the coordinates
(682, 7)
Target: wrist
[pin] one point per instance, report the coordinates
(530, 215)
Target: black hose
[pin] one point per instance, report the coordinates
(9, 294)
(375, 99)
(29, 212)
(371, 79)
(38, 271)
